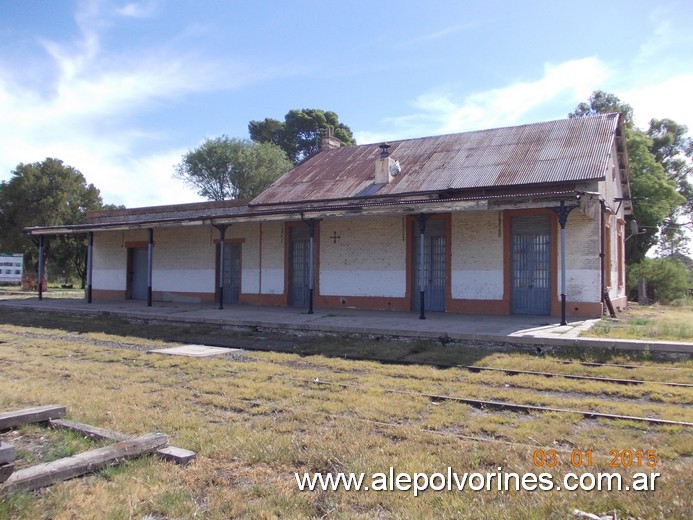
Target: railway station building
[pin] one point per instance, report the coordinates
(528, 219)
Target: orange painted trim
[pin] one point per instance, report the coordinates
(270, 300)
(411, 222)
(507, 257)
(380, 303)
(287, 257)
(108, 294)
(477, 306)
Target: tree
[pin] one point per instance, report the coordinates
(674, 151)
(299, 134)
(225, 168)
(601, 102)
(47, 193)
(654, 193)
(666, 279)
(655, 196)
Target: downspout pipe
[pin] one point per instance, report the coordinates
(150, 252)
(40, 268)
(90, 265)
(222, 237)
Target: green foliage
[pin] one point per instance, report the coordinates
(601, 102)
(47, 193)
(667, 280)
(228, 168)
(299, 134)
(674, 151)
(655, 195)
(658, 181)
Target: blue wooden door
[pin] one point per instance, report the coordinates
(139, 261)
(434, 266)
(531, 265)
(299, 266)
(232, 273)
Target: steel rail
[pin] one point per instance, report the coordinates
(628, 367)
(498, 405)
(513, 371)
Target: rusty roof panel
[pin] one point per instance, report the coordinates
(566, 150)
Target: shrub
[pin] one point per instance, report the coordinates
(667, 280)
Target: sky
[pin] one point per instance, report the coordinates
(121, 90)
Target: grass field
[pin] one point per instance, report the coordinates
(256, 419)
(659, 322)
(12, 292)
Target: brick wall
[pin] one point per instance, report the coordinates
(477, 256)
(368, 258)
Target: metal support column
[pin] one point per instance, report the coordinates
(311, 266)
(563, 289)
(563, 211)
(602, 250)
(150, 251)
(422, 280)
(40, 268)
(222, 237)
(90, 264)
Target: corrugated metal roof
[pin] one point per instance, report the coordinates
(566, 150)
(207, 213)
(176, 212)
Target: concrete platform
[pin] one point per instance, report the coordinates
(507, 330)
(194, 351)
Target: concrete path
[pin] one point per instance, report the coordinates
(516, 330)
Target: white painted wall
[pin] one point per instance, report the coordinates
(183, 259)
(272, 275)
(611, 189)
(369, 258)
(477, 256)
(110, 262)
(582, 258)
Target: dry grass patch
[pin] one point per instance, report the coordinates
(660, 322)
(254, 423)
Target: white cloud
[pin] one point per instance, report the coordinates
(86, 114)
(441, 111)
(669, 98)
(137, 10)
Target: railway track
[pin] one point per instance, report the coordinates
(615, 365)
(479, 403)
(511, 371)
(470, 368)
(498, 405)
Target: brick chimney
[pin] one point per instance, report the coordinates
(328, 142)
(386, 168)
